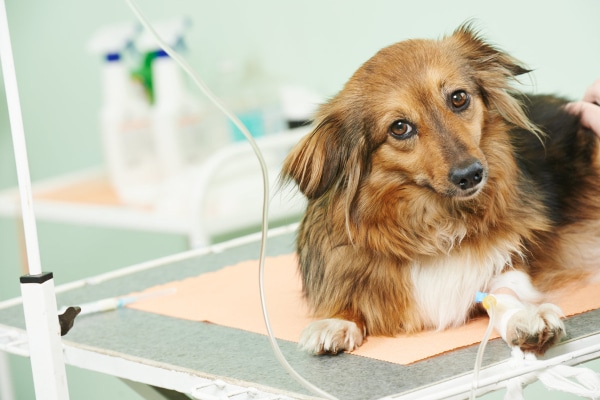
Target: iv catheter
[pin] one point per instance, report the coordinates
(114, 303)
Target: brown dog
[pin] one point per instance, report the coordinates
(428, 180)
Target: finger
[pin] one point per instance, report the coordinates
(590, 117)
(592, 94)
(575, 107)
(588, 113)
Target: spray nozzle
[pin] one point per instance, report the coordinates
(171, 31)
(111, 41)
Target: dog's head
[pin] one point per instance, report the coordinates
(417, 112)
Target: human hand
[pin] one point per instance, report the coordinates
(588, 109)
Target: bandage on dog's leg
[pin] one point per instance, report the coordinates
(520, 320)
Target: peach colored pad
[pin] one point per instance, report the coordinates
(230, 297)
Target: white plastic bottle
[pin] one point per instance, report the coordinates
(125, 121)
(179, 119)
(183, 126)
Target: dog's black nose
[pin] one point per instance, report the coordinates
(467, 177)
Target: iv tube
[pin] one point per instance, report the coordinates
(489, 301)
(265, 209)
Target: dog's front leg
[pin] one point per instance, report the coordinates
(520, 318)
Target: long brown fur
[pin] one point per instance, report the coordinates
(378, 204)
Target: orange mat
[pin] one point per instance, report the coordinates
(230, 297)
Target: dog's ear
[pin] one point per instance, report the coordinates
(494, 72)
(333, 155)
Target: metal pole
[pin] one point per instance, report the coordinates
(37, 288)
(6, 387)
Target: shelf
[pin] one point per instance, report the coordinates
(222, 196)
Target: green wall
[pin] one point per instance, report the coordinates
(315, 43)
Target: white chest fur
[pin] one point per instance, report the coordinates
(445, 286)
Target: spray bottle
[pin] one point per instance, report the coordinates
(183, 128)
(125, 120)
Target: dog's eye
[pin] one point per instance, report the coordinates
(402, 129)
(460, 100)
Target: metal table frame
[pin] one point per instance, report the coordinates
(249, 371)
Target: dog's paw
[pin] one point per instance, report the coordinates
(536, 328)
(330, 336)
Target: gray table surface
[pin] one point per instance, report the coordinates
(244, 356)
